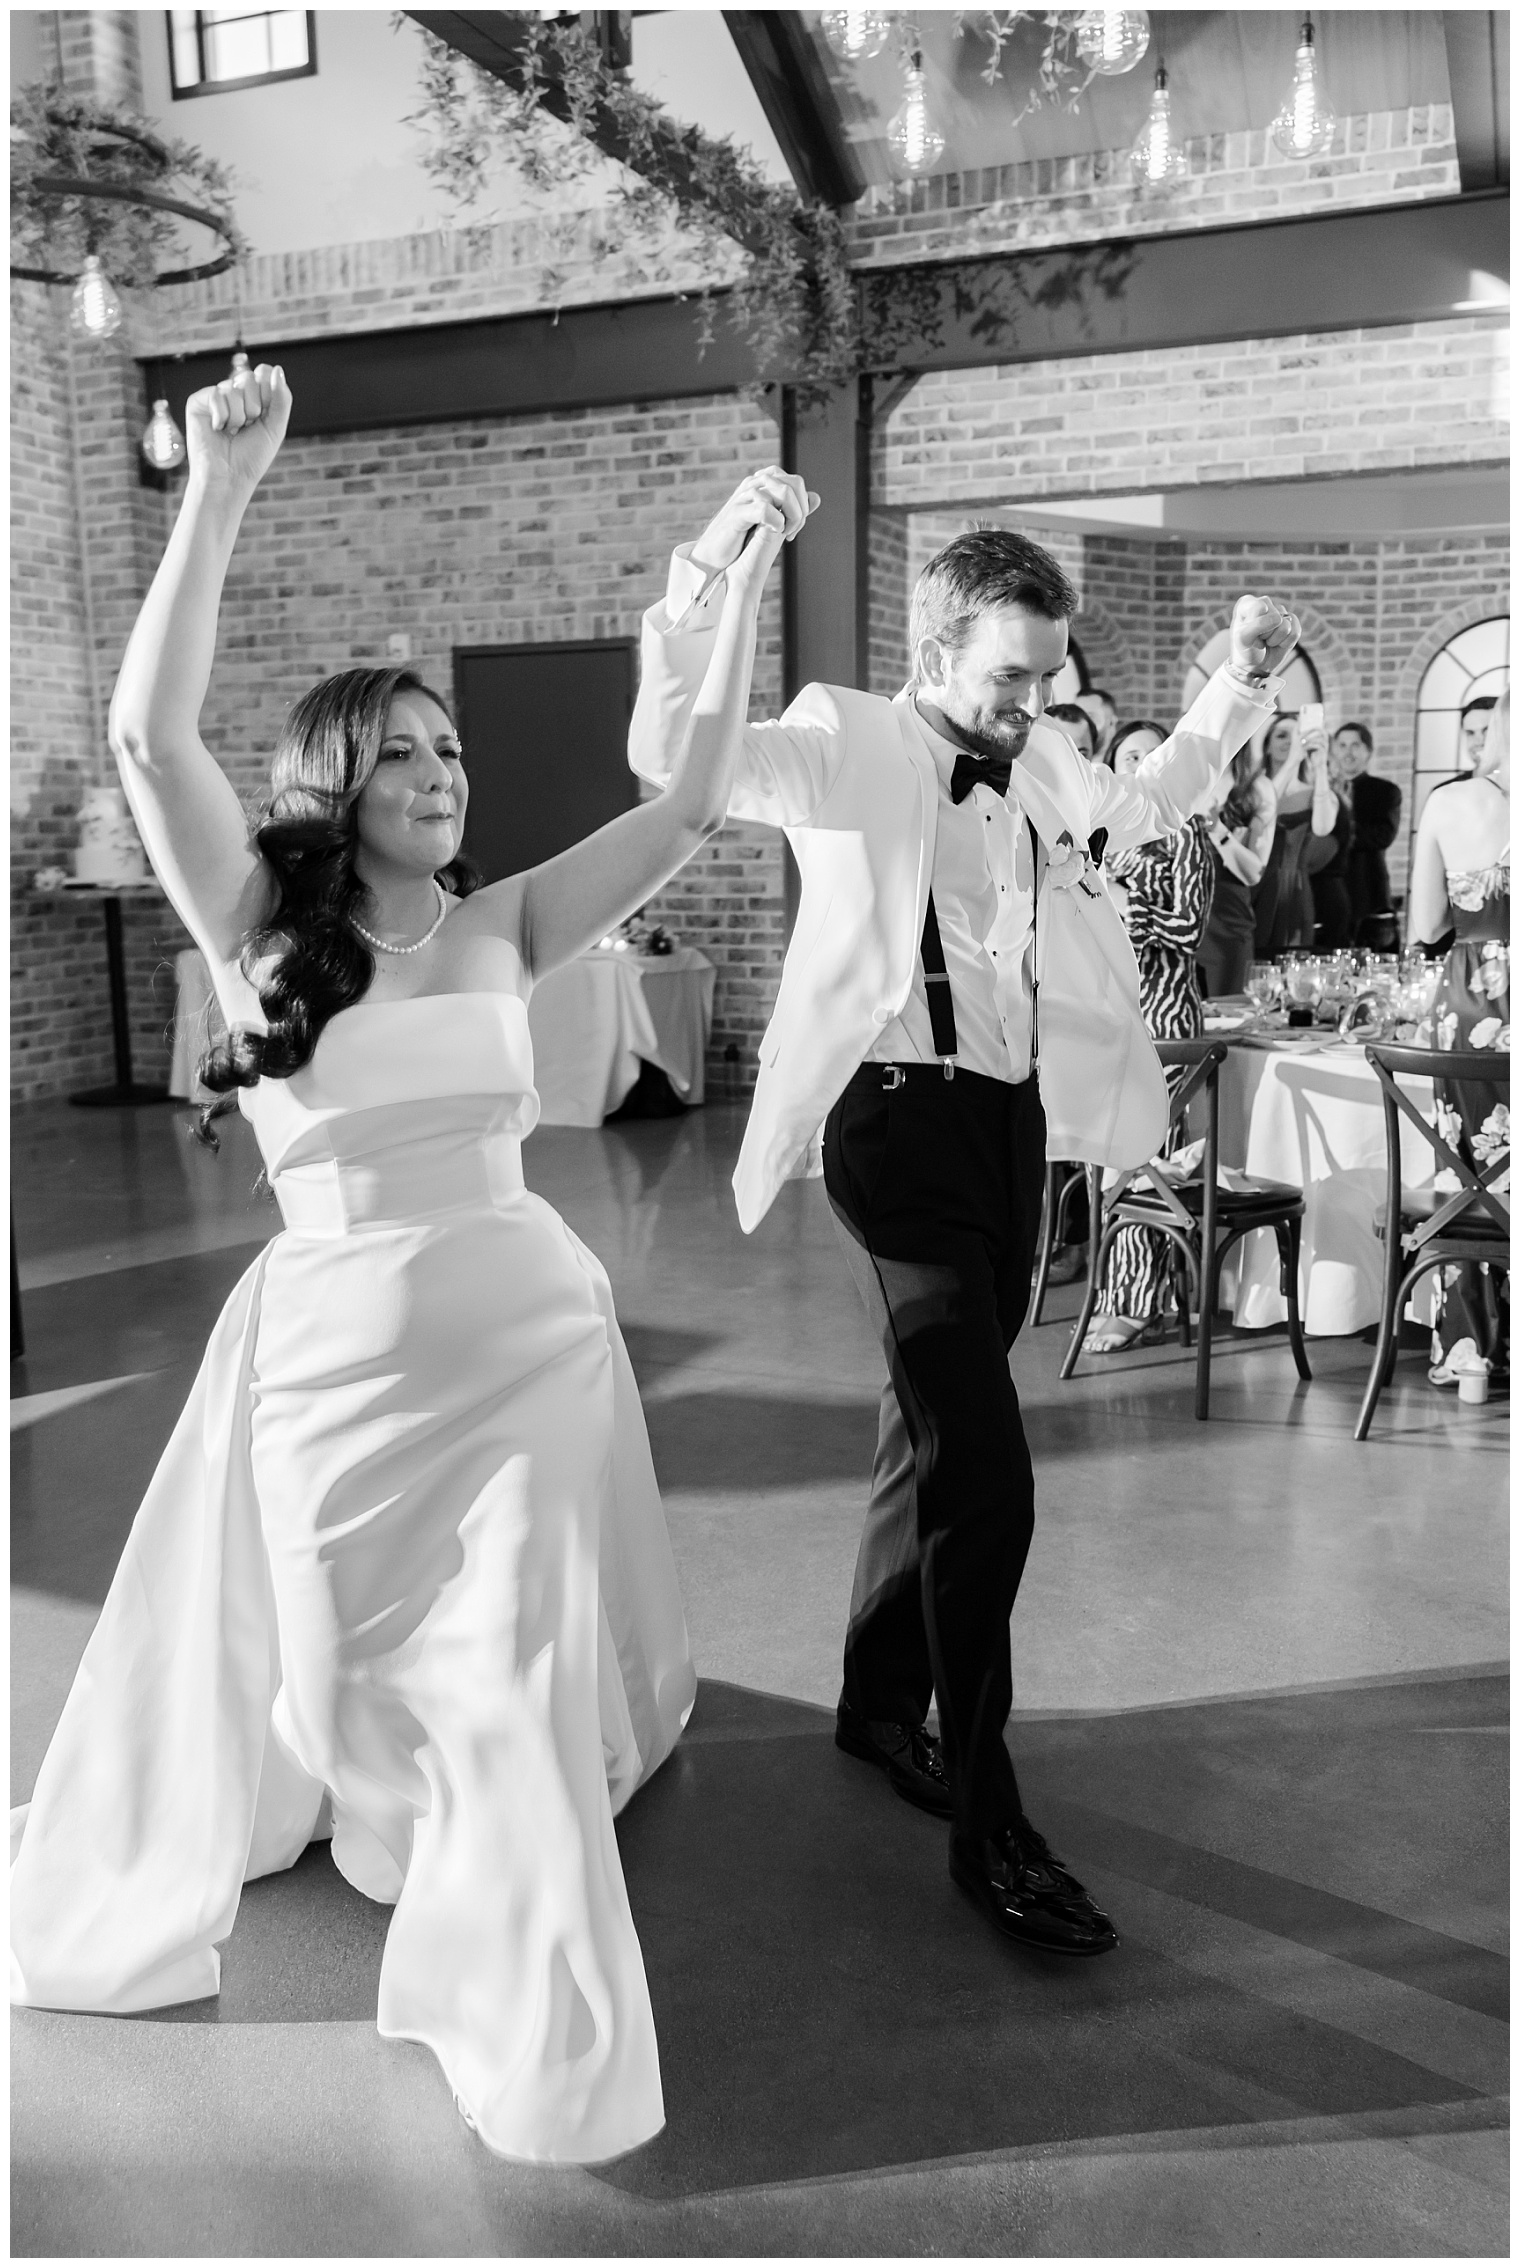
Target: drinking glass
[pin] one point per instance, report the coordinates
(1262, 983)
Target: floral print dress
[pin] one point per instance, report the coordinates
(1472, 1011)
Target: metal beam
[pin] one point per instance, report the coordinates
(1477, 64)
(782, 61)
(1332, 272)
(639, 350)
(1323, 272)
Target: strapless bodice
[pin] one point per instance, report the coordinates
(407, 1109)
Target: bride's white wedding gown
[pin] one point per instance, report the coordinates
(402, 1568)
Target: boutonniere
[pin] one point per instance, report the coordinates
(1067, 867)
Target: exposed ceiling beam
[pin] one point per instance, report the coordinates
(1477, 64)
(1322, 272)
(782, 61)
(1325, 272)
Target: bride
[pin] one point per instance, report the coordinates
(402, 1574)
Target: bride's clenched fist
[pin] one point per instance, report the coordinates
(234, 430)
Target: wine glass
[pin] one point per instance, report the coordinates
(1262, 981)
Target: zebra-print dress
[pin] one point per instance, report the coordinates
(1170, 885)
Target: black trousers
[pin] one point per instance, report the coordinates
(935, 1186)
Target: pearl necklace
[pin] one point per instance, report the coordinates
(381, 945)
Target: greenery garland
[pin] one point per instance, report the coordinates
(793, 301)
(55, 133)
(807, 317)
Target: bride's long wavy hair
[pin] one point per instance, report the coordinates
(325, 755)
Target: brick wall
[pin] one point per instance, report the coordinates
(480, 533)
(1385, 158)
(1277, 409)
(887, 629)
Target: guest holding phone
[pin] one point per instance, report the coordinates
(1296, 760)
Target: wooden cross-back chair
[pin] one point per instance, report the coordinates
(1427, 1229)
(1201, 1221)
(1062, 1181)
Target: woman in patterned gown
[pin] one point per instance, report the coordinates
(1461, 882)
(1168, 884)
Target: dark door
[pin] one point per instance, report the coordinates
(545, 732)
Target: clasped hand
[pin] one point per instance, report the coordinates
(770, 499)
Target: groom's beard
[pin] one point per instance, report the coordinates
(989, 732)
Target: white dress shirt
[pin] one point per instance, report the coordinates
(983, 886)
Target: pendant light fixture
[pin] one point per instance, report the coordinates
(1305, 125)
(1158, 157)
(95, 310)
(913, 138)
(856, 34)
(163, 444)
(1111, 41)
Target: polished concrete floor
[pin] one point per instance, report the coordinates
(1260, 1700)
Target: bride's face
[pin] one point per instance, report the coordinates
(411, 809)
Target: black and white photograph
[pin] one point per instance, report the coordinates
(759, 1143)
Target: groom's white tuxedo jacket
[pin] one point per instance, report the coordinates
(850, 778)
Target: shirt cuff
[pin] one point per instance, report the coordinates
(693, 594)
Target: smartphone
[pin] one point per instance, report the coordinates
(1311, 717)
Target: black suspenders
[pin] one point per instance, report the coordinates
(937, 982)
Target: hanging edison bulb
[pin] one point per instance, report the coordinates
(913, 138)
(856, 34)
(239, 362)
(1112, 41)
(163, 444)
(95, 309)
(1158, 157)
(1305, 125)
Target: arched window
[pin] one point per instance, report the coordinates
(1473, 663)
(1300, 685)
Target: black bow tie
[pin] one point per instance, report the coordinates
(979, 771)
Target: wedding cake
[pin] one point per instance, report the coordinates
(109, 849)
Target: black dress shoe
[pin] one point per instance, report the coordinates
(911, 1758)
(1068, 1265)
(1028, 1894)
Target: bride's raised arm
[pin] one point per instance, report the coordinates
(187, 813)
(570, 901)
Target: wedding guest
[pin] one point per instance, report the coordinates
(1284, 901)
(1241, 827)
(1104, 711)
(402, 1575)
(1168, 884)
(1077, 726)
(1472, 734)
(1327, 861)
(1460, 881)
(942, 837)
(1376, 808)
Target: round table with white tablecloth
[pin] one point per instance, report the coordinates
(596, 1019)
(1310, 1111)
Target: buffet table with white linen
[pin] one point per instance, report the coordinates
(1310, 1111)
(595, 1020)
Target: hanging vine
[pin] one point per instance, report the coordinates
(56, 135)
(793, 298)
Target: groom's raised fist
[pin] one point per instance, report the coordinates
(769, 498)
(1262, 636)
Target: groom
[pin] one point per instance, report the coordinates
(957, 986)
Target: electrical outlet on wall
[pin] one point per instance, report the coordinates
(398, 646)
